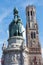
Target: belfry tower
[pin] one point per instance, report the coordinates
(32, 38)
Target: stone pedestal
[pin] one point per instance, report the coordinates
(12, 55)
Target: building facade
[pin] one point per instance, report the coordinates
(32, 37)
(16, 53)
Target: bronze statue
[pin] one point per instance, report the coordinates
(15, 28)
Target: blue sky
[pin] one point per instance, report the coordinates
(6, 16)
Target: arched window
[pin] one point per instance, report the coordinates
(31, 13)
(33, 35)
(28, 13)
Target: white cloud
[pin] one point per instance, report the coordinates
(1, 31)
(8, 33)
(42, 51)
(24, 32)
(5, 14)
(1, 42)
(28, 2)
(31, 2)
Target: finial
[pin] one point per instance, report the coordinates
(15, 11)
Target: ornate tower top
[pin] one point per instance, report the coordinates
(15, 27)
(31, 13)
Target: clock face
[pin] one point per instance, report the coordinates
(33, 42)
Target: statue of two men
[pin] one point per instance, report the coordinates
(18, 29)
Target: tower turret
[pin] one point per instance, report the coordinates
(30, 13)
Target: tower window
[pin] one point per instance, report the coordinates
(28, 13)
(33, 35)
(31, 13)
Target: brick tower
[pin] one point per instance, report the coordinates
(32, 38)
